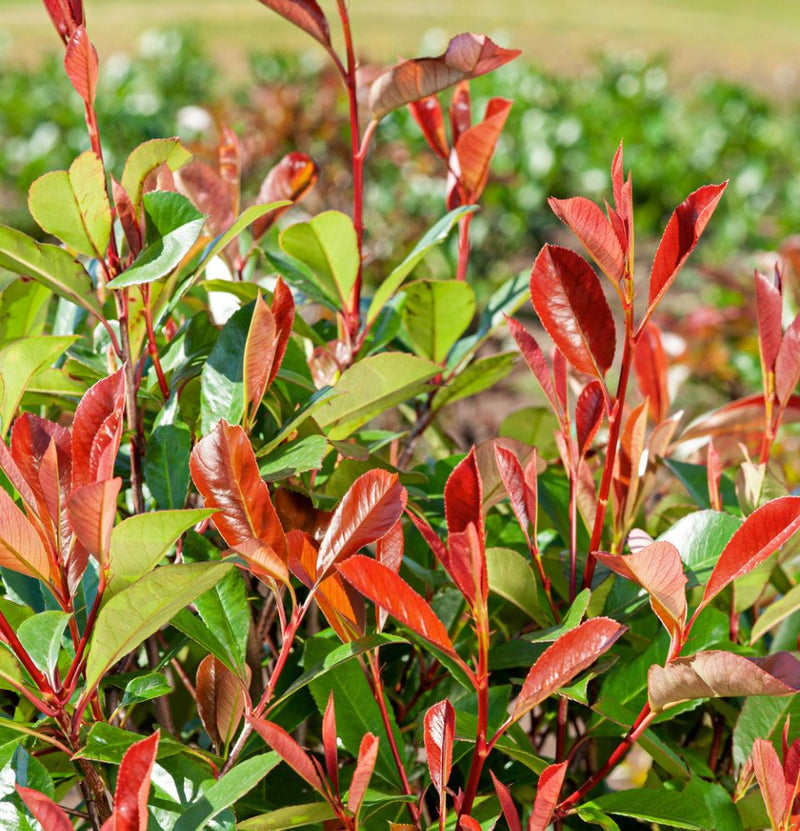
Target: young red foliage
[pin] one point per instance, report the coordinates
(92, 510)
(367, 756)
(329, 743)
(21, 548)
(569, 300)
(516, 487)
(534, 357)
(427, 112)
(220, 699)
(769, 309)
(510, 813)
(389, 551)
(81, 65)
(290, 751)
(650, 369)
(133, 787)
(589, 411)
(45, 811)
(787, 363)
(769, 773)
(622, 217)
(292, 178)
(547, 794)
(306, 14)
(66, 16)
(714, 465)
(440, 729)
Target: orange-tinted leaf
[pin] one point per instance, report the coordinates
(369, 509)
(460, 110)
(623, 200)
(467, 565)
(388, 590)
(683, 231)
(210, 194)
(658, 568)
(475, 147)
(593, 229)
(329, 743)
(569, 300)
(769, 773)
(44, 810)
(290, 751)
(547, 794)
(510, 813)
(427, 112)
(220, 699)
(92, 510)
(536, 360)
(463, 496)
(626, 473)
(65, 16)
(468, 823)
(564, 659)
(367, 756)
(714, 465)
(389, 551)
(225, 471)
(787, 362)
(133, 785)
(97, 430)
(21, 548)
(259, 352)
(306, 14)
(650, 368)
(80, 63)
(440, 731)
(716, 674)
(762, 533)
(292, 178)
(769, 308)
(514, 482)
(467, 56)
(283, 312)
(589, 415)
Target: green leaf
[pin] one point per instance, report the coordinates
(328, 246)
(49, 265)
(145, 687)
(144, 159)
(73, 206)
(570, 620)
(302, 415)
(19, 363)
(435, 315)
(193, 627)
(511, 576)
(166, 462)
(435, 235)
(41, 637)
(295, 457)
(23, 310)
(173, 227)
(762, 718)
(695, 479)
(301, 278)
(222, 378)
(291, 816)
(106, 743)
(371, 387)
(669, 807)
(718, 801)
(590, 814)
(143, 608)
(478, 376)
(226, 791)
(139, 543)
(776, 612)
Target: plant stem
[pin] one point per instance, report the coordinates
(463, 246)
(22, 656)
(152, 347)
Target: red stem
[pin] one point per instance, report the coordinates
(463, 246)
(22, 656)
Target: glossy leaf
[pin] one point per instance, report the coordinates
(776, 612)
(787, 363)
(760, 535)
(291, 179)
(144, 159)
(367, 756)
(547, 795)
(650, 368)
(291, 816)
(81, 65)
(306, 14)
(45, 811)
(440, 731)
(478, 376)
(289, 750)
(133, 786)
(594, 230)
(21, 548)
(475, 147)
(368, 511)
(589, 411)
(656, 805)
(536, 360)
(467, 56)
(435, 314)
(683, 230)
(573, 652)
(220, 700)
(569, 300)
(769, 773)
(143, 608)
(73, 205)
(389, 591)
(41, 637)
(427, 112)
(371, 387)
(511, 576)
(166, 462)
(91, 510)
(716, 674)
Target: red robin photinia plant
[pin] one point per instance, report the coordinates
(248, 579)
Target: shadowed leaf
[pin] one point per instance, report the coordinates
(291, 179)
(589, 415)
(220, 700)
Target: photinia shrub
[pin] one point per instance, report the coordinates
(248, 580)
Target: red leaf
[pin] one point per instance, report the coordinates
(369, 509)
(21, 548)
(537, 362)
(589, 415)
(259, 352)
(467, 566)
(623, 199)
(229, 162)
(66, 17)
(650, 368)
(787, 363)
(97, 430)
(475, 147)
(593, 229)
(467, 56)
(427, 112)
(714, 465)
(560, 376)
(769, 309)
(715, 674)
(683, 231)
(468, 823)
(80, 63)
(388, 590)
(460, 110)
(283, 312)
(659, 570)
(547, 793)
(367, 756)
(514, 482)
(290, 751)
(532, 489)
(762, 533)
(564, 659)
(329, 743)
(225, 471)
(306, 14)
(463, 497)
(440, 731)
(126, 213)
(292, 178)
(769, 774)
(45, 811)
(92, 510)
(626, 473)
(133, 785)
(389, 551)
(210, 194)
(220, 699)
(569, 300)
(510, 812)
